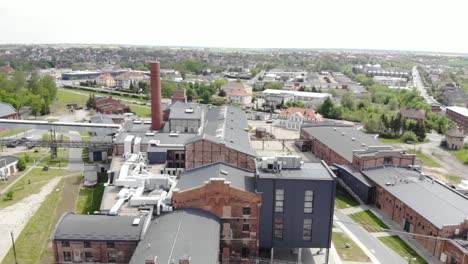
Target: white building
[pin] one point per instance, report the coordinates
(297, 95)
(239, 96)
(8, 166)
(293, 117)
(126, 79)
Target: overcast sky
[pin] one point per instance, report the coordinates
(423, 25)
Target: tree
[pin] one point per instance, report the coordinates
(206, 96)
(348, 101)
(219, 83)
(190, 94)
(273, 85)
(132, 87)
(372, 124)
(409, 136)
(21, 164)
(91, 103)
(222, 93)
(9, 195)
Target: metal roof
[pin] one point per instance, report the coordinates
(433, 200)
(308, 171)
(184, 233)
(98, 228)
(343, 144)
(8, 159)
(6, 109)
(457, 109)
(239, 178)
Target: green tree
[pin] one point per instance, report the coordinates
(348, 101)
(206, 96)
(91, 103)
(273, 85)
(222, 93)
(219, 83)
(9, 195)
(21, 164)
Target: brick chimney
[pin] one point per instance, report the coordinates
(151, 260)
(156, 104)
(179, 95)
(184, 260)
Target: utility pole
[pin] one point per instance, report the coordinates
(14, 249)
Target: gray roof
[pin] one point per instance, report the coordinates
(98, 228)
(455, 132)
(184, 233)
(239, 178)
(6, 109)
(8, 159)
(344, 145)
(106, 119)
(308, 171)
(164, 138)
(178, 111)
(227, 125)
(435, 201)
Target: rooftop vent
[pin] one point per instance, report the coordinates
(189, 110)
(136, 221)
(149, 134)
(353, 139)
(343, 133)
(223, 172)
(173, 134)
(334, 128)
(232, 140)
(363, 144)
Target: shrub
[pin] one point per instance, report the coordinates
(409, 136)
(443, 143)
(9, 196)
(21, 164)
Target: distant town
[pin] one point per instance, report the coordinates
(151, 155)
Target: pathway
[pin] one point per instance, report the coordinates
(15, 217)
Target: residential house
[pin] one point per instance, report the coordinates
(105, 79)
(294, 117)
(126, 79)
(455, 138)
(8, 166)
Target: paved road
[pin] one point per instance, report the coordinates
(75, 162)
(420, 87)
(379, 253)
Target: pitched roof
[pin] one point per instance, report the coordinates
(306, 112)
(98, 227)
(413, 113)
(238, 92)
(435, 201)
(183, 233)
(235, 86)
(104, 76)
(239, 178)
(8, 159)
(131, 75)
(6, 109)
(455, 132)
(340, 139)
(6, 69)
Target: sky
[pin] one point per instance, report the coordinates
(418, 25)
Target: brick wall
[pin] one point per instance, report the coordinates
(123, 251)
(378, 159)
(228, 204)
(461, 120)
(203, 152)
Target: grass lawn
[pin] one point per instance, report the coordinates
(11, 132)
(85, 136)
(46, 137)
(401, 248)
(60, 161)
(369, 221)
(453, 179)
(390, 140)
(141, 111)
(461, 154)
(353, 253)
(31, 156)
(33, 240)
(68, 90)
(89, 199)
(31, 183)
(426, 160)
(65, 97)
(343, 201)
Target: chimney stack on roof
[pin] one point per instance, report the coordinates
(151, 260)
(184, 260)
(156, 102)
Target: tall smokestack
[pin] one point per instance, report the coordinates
(156, 104)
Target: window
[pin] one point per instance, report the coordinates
(177, 156)
(111, 257)
(110, 245)
(388, 160)
(87, 244)
(278, 231)
(246, 227)
(279, 200)
(89, 257)
(66, 256)
(245, 252)
(307, 230)
(182, 156)
(308, 201)
(65, 244)
(246, 210)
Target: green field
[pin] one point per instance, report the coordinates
(138, 99)
(30, 156)
(60, 161)
(352, 253)
(454, 179)
(461, 154)
(390, 140)
(368, 221)
(89, 199)
(401, 248)
(11, 132)
(343, 201)
(65, 97)
(141, 111)
(426, 160)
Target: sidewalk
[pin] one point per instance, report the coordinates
(408, 239)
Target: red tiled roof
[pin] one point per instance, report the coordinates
(6, 69)
(130, 75)
(306, 112)
(238, 93)
(105, 76)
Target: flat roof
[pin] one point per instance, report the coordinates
(180, 234)
(433, 200)
(297, 93)
(460, 110)
(308, 171)
(239, 178)
(98, 228)
(343, 144)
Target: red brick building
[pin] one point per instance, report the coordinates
(458, 115)
(227, 192)
(96, 238)
(7, 111)
(344, 145)
(426, 207)
(108, 105)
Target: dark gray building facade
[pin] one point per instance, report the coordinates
(297, 207)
